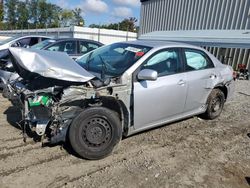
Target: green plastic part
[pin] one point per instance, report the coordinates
(43, 100)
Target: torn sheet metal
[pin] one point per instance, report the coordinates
(48, 64)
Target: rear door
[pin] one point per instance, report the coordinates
(200, 74)
(157, 101)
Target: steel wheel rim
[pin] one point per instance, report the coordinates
(96, 132)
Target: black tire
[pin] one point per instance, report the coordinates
(95, 132)
(215, 104)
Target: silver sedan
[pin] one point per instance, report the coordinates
(120, 89)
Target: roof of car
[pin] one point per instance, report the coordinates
(24, 36)
(65, 39)
(157, 43)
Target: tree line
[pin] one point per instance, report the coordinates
(35, 14)
(31, 14)
(128, 24)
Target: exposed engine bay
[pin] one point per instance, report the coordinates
(50, 111)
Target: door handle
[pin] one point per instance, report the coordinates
(181, 82)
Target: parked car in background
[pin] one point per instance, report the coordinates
(118, 89)
(72, 46)
(15, 41)
(18, 41)
(22, 41)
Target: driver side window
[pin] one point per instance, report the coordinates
(165, 62)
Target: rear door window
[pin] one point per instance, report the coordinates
(65, 46)
(197, 60)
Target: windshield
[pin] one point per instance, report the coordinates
(112, 60)
(8, 40)
(43, 44)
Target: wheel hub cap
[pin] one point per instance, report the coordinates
(95, 134)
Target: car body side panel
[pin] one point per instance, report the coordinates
(157, 100)
(230, 89)
(200, 84)
(226, 79)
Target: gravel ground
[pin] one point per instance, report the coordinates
(189, 153)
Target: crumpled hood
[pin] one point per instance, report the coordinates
(56, 65)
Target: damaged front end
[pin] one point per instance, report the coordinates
(51, 94)
(44, 94)
(49, 112)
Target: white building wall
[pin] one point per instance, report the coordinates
(104, 36)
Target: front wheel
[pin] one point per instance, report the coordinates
(215, 104)
(95, 132)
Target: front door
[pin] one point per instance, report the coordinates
(157, 101)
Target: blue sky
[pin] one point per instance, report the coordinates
(103, 11)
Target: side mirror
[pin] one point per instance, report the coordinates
(147, 74)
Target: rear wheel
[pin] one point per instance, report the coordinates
(215, 104)
(94, 133)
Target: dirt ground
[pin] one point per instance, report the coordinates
(189, 153)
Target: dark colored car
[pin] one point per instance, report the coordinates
(72, 46)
